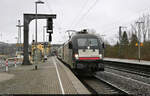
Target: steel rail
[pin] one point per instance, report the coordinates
(113, 88)
(112, 85)
(92, 90)
(129, 71)
(139, 68)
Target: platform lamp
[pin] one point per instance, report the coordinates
(37, 2)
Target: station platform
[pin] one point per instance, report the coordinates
(142, 62)
(51, 77)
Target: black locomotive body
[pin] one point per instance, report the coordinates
(83, 53)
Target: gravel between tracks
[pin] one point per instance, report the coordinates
(98, 86)
(126, 83)
(130, 75)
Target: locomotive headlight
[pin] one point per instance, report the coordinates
(101, 56)
(76, 56)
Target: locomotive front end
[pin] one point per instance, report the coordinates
(88, 53)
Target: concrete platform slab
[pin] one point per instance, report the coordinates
(45, 80)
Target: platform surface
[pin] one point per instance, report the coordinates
(142, 62)
(52, 77)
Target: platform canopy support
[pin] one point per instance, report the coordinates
(27, 19)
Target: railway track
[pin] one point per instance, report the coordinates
(99, 86)
(121, 81)
(138, 69)
(129, 71)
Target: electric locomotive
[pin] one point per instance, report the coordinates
(83, 52)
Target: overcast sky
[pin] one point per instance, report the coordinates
(104, 16)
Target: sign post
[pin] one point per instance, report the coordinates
(6, 68)
(15, 63)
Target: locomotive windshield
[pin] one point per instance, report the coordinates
(82, 42)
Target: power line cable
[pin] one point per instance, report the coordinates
(81, 10)
(125, 23)
(141, 11)
(50, 10)
(86, 13)
(58, 24)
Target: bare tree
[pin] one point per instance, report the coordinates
(129, 33)
(134, 29)
(144, 26)
(148, 26)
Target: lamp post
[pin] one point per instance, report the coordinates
(36, 57)
(47, 38)
(44, 33)
(37, 2)
(44, 53)
(1, 35)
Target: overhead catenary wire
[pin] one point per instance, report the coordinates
(51, 11)
(84, 6)
(81, 10)
(49, 8)
(86, 13)
(126, 23)
(58, 26)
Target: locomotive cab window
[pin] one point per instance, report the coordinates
(92, 42)
(84, 42)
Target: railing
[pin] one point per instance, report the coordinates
(5, 64)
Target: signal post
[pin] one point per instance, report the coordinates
(27, 19)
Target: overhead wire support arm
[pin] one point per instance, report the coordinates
(91, 7)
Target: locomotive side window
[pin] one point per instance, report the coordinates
(87, 42)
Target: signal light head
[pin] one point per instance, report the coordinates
(49, 25)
